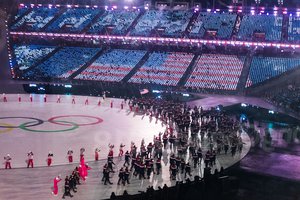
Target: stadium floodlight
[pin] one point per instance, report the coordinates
(280, 2)
(257, 1)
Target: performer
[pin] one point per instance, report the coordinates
(30, 159)
(7, 159)
(111, 104)
(19, 98)
(122, 105)
(82, 150)
(4, 97)
(58, 99)
(55, 185)
(97, 154)
(121, 152)
(70, 155)
(111, 151)
(45, 98)
(30, 97)
(99, 102)
(86, 101)
(49, 159)
(73, 99)
(87, 168)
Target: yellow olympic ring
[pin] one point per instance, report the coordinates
(8, 129)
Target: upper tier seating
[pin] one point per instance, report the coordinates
(269, 24)
(264, 68)
(21, 11)
(216, 71)
(113, 65)
(294, 28)
(63, 63)
(35, 20)
(165, 23)
(222, 23)
(28, 55)
(163, 68)
(119, 20)
(73, 20)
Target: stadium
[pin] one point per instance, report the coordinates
(149, 100)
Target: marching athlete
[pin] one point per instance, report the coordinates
(7, 162)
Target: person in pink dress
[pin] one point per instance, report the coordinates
(99, 102)
(56, 180)
(4, 97)
(19, 98)
(30, 97)
(111, 104)
(49, 159)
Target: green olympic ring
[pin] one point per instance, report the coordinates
(24, 126)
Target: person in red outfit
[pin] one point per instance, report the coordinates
(19, 98)
(4, 97)
(97, 151)
(49, 159)
(70, 155)
(30, 159)
(55, 185)
(7, 162)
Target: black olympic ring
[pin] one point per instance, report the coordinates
(38, 122)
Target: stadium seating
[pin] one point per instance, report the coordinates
(294, 28)
(222, 23)
(21, 11)
(288, 98)
(63, 63)
(119, 20)
(264, 68)
(28, 55)
(73, 20)
(163, 68)
(35, 20)
(215, 71)
(165, 23)
(269, 24)
(112, 66)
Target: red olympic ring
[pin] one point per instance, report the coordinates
(52, 120)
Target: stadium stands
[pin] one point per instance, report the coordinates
(63, 63)
(216, 71)
(28, 55)
(165, 68)
(270, 25)
(21, 12)
(288, 98)
(35, 20)
(164, 22)
(112, 66)
(294, 28)
(222, 23)
(264, 68)
(117, 20)
(73, 20)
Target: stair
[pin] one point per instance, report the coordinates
(190, 24)
(88, 26)
(137, 67)
(285, 25)
(61, 11)
(188, 71)
(134, 23)
(87, 64)
(245, 72)
(43, 59)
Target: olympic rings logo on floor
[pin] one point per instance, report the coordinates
(7, 127)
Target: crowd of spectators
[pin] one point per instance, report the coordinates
(163, 68)
(270, 25)
(216, 71)
(162, 22)
(112, 66)
(28, 55)
(222, 23)
(117, 20)
(63, 63)
(264, 68)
